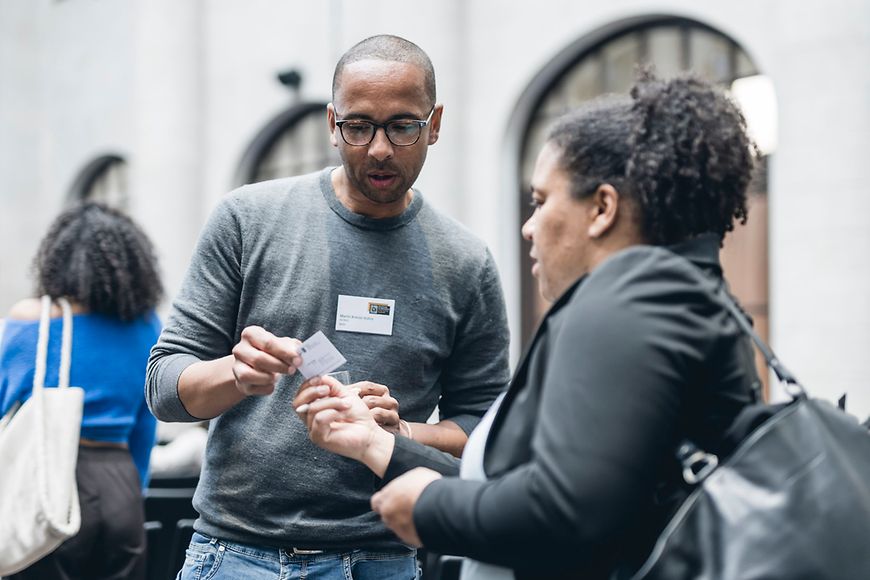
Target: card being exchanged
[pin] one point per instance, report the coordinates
(319, 356)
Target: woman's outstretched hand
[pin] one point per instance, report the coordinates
(395, 503)
(339, 421)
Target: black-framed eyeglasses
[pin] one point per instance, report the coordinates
(401, 133)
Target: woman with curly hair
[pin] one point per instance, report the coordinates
(569, 474)
(104, 265)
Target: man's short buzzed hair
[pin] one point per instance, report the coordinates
(389, 48)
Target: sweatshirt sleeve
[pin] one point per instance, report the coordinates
(477, 370)
(202, 323)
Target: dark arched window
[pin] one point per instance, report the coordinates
(293, 143)
(606, 62)
(103, 179)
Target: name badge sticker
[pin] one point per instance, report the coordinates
(363, 314)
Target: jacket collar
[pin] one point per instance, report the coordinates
(702, 250)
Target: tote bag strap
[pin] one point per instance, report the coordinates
(42, 346)
(66, 344)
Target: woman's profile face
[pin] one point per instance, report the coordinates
(558, 228)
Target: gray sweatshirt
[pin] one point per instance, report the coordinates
(278, 254)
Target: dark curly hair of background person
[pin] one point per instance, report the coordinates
(97, 257)
(677, 148)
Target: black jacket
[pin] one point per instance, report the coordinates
(633, 358)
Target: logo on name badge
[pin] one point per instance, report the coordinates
(375, 308)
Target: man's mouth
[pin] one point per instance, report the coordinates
(382, 180)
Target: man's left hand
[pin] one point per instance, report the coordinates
(385, 409)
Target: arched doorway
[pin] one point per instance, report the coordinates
(605, 61)
(293, 143)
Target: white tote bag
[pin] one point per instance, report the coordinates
(39, 502)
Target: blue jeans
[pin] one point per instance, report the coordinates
(208, 558)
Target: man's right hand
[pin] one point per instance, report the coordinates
(208, 388)
(260, 358)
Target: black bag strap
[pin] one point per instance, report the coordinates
(790, 382)
(698, 464)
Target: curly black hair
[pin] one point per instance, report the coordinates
(677, 148)
(97, 257)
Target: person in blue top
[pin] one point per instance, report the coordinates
(99, 260)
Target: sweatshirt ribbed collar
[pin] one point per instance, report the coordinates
(362, 221)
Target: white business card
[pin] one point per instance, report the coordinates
(319, 356)
(364, 314)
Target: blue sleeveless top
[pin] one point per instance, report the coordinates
(108, 361)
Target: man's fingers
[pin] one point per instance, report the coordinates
(385, 418)
(288, 351)
(282, 348)
(253, 382)
(388, 403)
(367, 388)
(259, 360)
(245, 374)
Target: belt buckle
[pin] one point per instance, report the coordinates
(304, 552)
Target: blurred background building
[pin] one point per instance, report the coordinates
(161, 107)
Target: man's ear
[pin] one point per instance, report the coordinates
(605, 208)
(435, 124)
(330, 120)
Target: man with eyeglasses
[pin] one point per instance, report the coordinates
(406, 294)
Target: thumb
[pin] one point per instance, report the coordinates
(376, 501)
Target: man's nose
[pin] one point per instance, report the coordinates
(380, 148)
